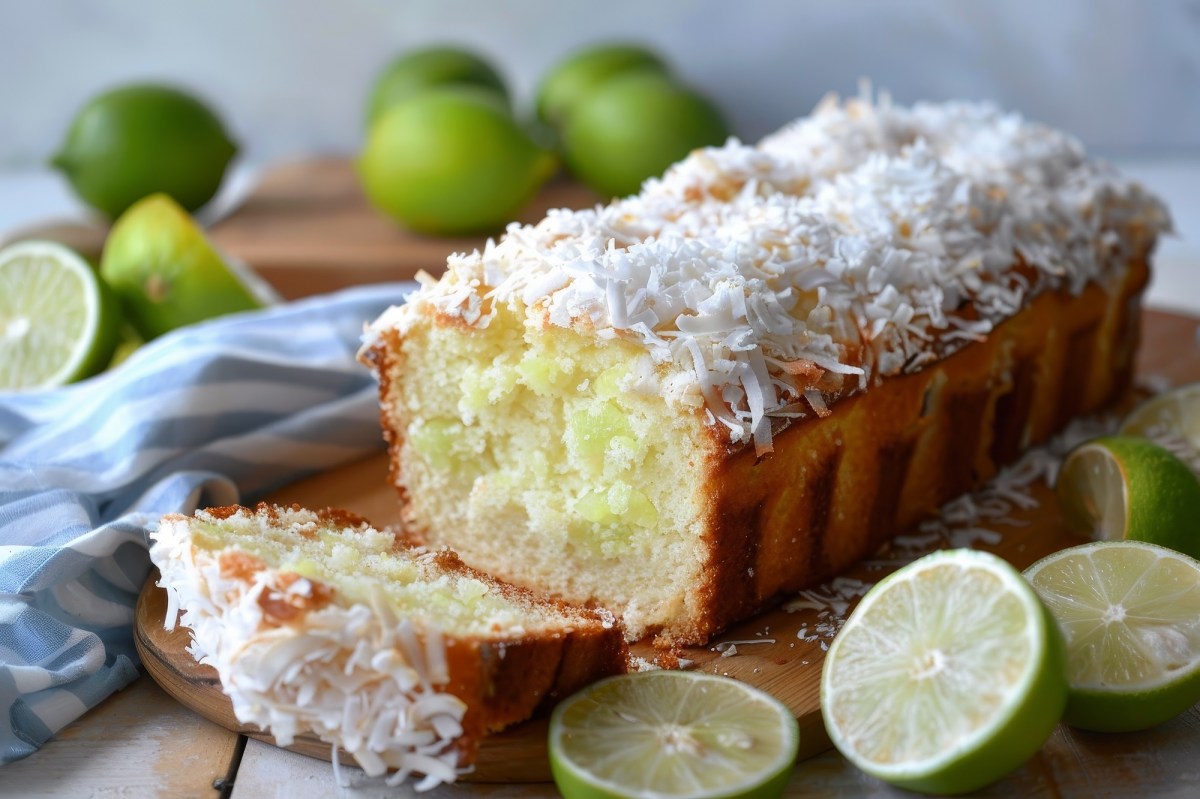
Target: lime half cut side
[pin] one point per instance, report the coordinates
(1130, 613)
(1171, 420)
(949, 674)
(1126, 487)
(58, 322)
(672, 734)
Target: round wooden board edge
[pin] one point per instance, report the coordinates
(515, 755)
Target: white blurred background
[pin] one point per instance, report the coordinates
(290, 76)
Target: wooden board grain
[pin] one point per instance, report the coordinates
(780, 651)
(308, 228)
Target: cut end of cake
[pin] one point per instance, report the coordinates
(399, 655)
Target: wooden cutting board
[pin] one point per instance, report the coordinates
(780, 651)
(307, 228)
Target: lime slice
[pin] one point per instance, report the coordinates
(1171, 420)
(167, 273)
(58, 322)
(948, 675)
(672, 733)
(1125, 487)
(1130, 613)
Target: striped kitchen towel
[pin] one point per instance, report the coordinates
(211, 414)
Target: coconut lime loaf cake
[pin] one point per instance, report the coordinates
(399, 655)
(741, 380)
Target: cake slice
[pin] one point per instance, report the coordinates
(748, 376)
(399, 655)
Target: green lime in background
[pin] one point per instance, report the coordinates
(166, 272)
(141, 139)
(574, 79)
(635, 126)
(452, 160)
(430, 67)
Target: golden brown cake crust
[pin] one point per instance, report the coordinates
(837, 487)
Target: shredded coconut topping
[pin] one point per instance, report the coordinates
(358, 677)
(864, 240)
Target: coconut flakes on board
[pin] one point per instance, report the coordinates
(966, 521)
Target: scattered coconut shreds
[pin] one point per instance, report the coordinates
(729, 648)
(1156, 384)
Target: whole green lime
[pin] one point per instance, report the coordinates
(635, 126)
(422, 69)
(452, 160)
(138, 140)
(578, 76)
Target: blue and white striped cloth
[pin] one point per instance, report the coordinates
(212, 414)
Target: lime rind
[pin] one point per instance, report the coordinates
(1171, 420)
(1126, 487)
(1017, 721)
(1108, 693)
(620, 723)
(80, 338)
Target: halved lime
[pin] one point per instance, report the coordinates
(1171, 420)
(948, 675)
(58, 322)
(166, 271)
(672, 734)
(1130, 612)
(1125, 487)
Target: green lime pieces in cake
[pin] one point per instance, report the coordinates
(58, 321)
(1171, 419)
(1130, 613)
(1125, 487)
(948, 675)
(672, 734)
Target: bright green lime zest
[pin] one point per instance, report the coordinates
(1130, 613)
(948, 675)
(58, 321)
(672, 734)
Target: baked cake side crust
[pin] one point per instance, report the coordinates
(836, 488)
